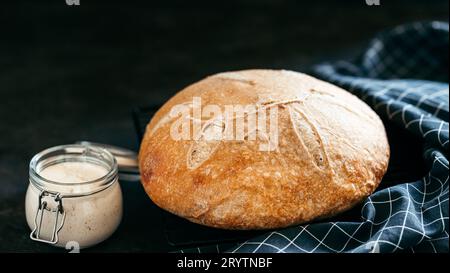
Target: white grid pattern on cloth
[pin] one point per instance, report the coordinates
(411, 217)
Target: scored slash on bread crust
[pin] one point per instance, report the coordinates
(332, 153)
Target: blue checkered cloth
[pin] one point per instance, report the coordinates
(403, 76)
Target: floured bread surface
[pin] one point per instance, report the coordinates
(331, 153)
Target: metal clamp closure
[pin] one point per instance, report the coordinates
(49, 203)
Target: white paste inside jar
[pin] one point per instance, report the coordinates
(89, 219)
(73, 172)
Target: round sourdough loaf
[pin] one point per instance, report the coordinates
(331, 152)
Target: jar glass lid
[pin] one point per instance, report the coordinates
(73, 169)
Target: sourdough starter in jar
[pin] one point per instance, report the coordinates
(90, 199)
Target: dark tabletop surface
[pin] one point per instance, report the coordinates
(76, 73)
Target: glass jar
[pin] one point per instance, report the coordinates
(73, 196)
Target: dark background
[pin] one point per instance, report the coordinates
(71, 73)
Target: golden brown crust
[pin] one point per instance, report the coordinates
(332, 153)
